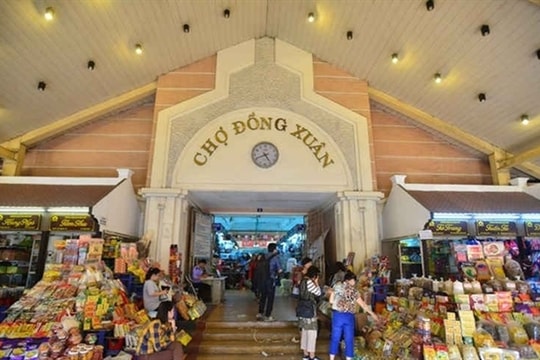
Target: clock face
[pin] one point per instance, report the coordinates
(264, 154)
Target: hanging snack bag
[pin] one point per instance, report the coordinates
(482, 270)
(496, 267)
(474, 252)
(493, 248)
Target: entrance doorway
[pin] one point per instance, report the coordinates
(238, 239)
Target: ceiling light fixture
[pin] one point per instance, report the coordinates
(49, 14)
(482, 97)
(484, 29)
(138, 49)
(226, 13)
(395, 58)
(311, 17)
(91, 65)
(524, 119)
(349, 35)
(437, 78)
(430, 5)
(186, 28)
(41, 86)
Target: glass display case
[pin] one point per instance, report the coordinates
(411, 255)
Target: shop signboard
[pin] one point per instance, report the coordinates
(456, 228)
(532, 228)
(487, 228)
(20, 222)
(82, 222)
(202, 244)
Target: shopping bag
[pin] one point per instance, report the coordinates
(325, 307)
(183, 337)
(182, 309)
(197, 310)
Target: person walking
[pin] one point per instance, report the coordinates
(267, 276)
(251, 274)
(306, 311)
(345, 298)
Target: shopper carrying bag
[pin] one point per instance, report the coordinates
(306, 311)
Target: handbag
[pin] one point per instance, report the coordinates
(305, 309)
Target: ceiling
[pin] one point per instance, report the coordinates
(447, 40)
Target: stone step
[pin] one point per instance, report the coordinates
(238, 347)
(250, 324)
(254, 356)
(257, 334)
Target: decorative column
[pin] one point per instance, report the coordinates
(357, 227)
(166, 222)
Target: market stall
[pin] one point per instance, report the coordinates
(38, 213)
(472, 299)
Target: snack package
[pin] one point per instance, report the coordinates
(469, 352)
(517, 332)
(533, 330)
(490, 353)
(482, 270)
(493, 248)
(482, 338)
(496, 267)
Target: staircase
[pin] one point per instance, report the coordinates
(233, 340)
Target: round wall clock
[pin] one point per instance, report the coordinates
(265, 154)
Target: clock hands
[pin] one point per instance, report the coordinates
(263, 155)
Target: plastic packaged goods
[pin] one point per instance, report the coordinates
(458, 288)
(522, 287)
(525, 352)
(518, 335)
(482, 338)
(476, 287)
(502, 333)
(513, 269)
(490, 353)
(533, 330)
(436, 285)
(469, 352)
(454, 353)
(496, 285)
(467, 287)
(509, 285)
(449, 287)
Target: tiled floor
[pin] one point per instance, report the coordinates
(240, 305)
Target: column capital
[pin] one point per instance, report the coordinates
(360, 195)
(162, 192)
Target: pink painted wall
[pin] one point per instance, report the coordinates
(125, 139)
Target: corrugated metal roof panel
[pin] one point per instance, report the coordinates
(477, 202)
(52, 195)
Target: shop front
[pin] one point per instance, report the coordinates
(39, 215)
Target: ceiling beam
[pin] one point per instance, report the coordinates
(7, 154)
(519, 158)
(58, 127)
